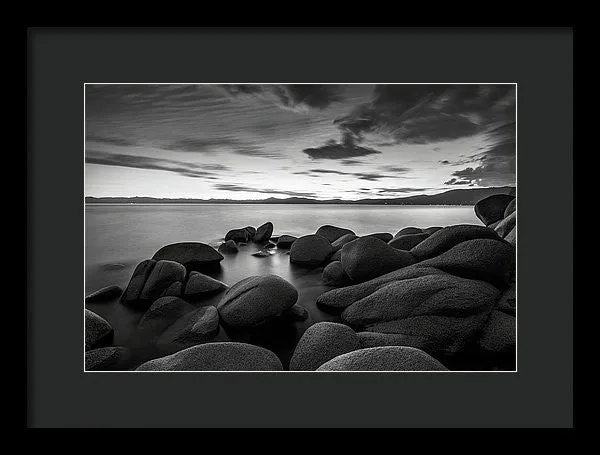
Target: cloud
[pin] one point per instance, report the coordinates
(401, 190)
(351, 162)
(300, 97)
(211, 145)
(398, 169)
(454, 181)
(241, 188)
(159, 164)
(333, 150)
(361, 175)
(120, 142)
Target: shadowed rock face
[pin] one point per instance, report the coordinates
(264, 232)
(98, 332)
(322, 342)
(332, 233)
(160, 278)
(256, 299)
(334, 275)
(408, 231)
(506, 225)
(369, 257)
(193, 255)
(199, 284)
(492, 208)
(344, 239)
(499, 333)
(194, 327)
(285, 241)
(310, 251)
(222, 356)
(511, 237)
(444, 239)
(511, 207)
(407, 241)
(388, 358)
(385, 236)
(228, 247)
(238, 235)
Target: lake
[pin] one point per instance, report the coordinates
(119, 236)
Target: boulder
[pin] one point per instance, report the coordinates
(511, 237)
(160, 278)
(339, 243)
(492, 208)
(285, 241)
(228, 247)
(334, 275)
(369, 257)
(510, 208)
(385, 236)
(408, 241)
(508, 301)
(256, 299)
(499, 335)
(264, 232)
(193, 255)
(481, 259)
(436, 313)
(296, 313)
(336, 256)
(136, 283)
(106, 359)
(322, 342)
(343, 297)
(408, 230)
(387, 358)
(107, 293)
(198, 285)
(332, 233)
(174, 290)
(432, 229)
(506, 225)
(444, 239)
(238, 235)
(162, 313)
(220, 356)
(98, 332)
(310, 251)
(194, 327)
(251, 230)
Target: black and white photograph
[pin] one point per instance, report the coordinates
(285, 227)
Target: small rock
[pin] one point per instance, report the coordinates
(262, 253)
(107, 293)
(264, 232)
(285, 241)
(310, 251)
(228, 247)
(387, 358)
(492, 208)
(98, 332)
(332, 233)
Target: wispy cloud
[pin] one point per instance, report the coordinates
(401, 190)
(247, 189)
(117, 141)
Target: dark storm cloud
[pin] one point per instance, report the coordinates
(401, 190)
(497, 164)
(241, 188)
(146, 162)
(312, 96)
(333, 150)
(121, 142)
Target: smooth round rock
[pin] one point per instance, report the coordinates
(332, 233)
(492, 208)
(339, 243)
(285, 241)
(387, 358)
(432, 229)
(107, 293)
(199, 284)
(228, 247)
(407, 241)
(256, 299)
(238, 235)
(98, 332)
(334, 275)
(450, 236)
(221, 356)
(310, 251)
(408, 231)
(385, 236)
(263, 232)
(137, 281)
(322, 342)
(191, 254)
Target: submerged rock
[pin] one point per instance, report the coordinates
(322, 342)
(444, 239)
(98, 332)
(388, 358)
(221, 356)
(256, 299)
(265, 252)
(310, 251)
(228, 247)
(369, 257)
(106, 359)
(107, 293)
(492, 208)
(193, 255)
(332, 233)
(264, 232)
(285, 241)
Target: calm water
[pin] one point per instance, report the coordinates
(120, 236)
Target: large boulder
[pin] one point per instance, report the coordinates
(499, 335)
(481, 259)
(136, 283)
(264, 232)
(368, 257)
(322, 342)
(310, 251)
(110, 358)
(407, 241)
(221, 356)
(409, 230)
(339, 243)
(199, 285)
(444, 239)
(285, 241)
(343, 297)
(193, 255)
(228, 247)
(511, 207)
(332, 233)
(385, 236)
(492, 208)
(106, 293)
(194, 327)
(506, 225)
(256, 299)
(251, 230)
(334, 275)
(388, 358)
(238, 235)
(98, 332)
(437, 313)
(160, 278)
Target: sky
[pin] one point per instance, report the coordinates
(321, 141)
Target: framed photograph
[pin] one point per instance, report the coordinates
(255, 226)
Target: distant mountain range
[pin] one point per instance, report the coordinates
(451, 197)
